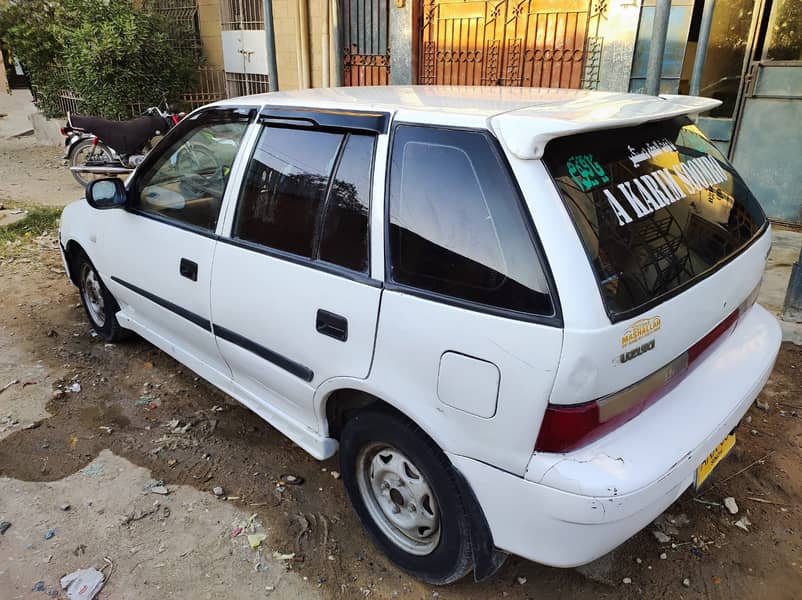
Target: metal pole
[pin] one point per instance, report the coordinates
(657, 47)
(303, 44)
(270, 36)
(792, 308)
(336, 35)
(701, 46)
(325, 47)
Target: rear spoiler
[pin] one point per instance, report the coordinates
(526, 131)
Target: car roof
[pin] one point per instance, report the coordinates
(525, 119)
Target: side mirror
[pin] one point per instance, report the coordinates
(106, 193)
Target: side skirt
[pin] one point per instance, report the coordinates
(318, 446)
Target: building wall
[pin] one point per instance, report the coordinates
(619, 30)
(209, 25)
(402, 37)
(285, 19)
(285, 24)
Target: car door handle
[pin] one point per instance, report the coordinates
(188, 269)
(332, 325)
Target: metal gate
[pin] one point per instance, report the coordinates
(366, 52)
(244, 47)
(767, 135)
(504, 42)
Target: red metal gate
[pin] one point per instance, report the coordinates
(504, 42)
(366, 57)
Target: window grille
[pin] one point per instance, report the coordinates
(184, 13)
(244, 84)
(236, 15)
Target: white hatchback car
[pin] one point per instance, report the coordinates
(525, 317)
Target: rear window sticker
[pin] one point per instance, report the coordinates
(586, 172)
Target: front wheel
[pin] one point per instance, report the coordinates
(87, 152)
(99, 304)
(406, 494)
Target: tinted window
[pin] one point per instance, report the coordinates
(657, 207)
(456, 222)
(187, 181)
(344, 237)
(285, 188)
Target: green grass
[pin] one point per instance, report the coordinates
(39, 220)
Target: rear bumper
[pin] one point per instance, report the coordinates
(573, 508)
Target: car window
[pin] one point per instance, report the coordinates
(456, 222)
(307, 192)
(186, 183)
(344, 235)
(285, 188)
(657, 206)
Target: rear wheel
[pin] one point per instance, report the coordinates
(87, 152)
(406, 494)
(99, 304)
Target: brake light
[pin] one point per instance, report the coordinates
(569, 427)
(63, 131)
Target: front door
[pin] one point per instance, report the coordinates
(158, 252)
(293, 303)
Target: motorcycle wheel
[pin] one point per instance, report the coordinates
(85, 151)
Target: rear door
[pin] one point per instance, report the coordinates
(293, 303)
(470, 332)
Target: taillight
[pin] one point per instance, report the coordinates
(568, 427)
(63, 131)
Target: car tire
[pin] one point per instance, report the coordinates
(407, 496)
(100, 306)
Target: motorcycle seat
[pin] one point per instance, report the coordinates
(125, 137)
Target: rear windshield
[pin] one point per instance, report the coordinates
(657, 206)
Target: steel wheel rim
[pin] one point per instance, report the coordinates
(399, 499)
(92, 294)
(82, 155)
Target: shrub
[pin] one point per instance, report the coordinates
(108, 52)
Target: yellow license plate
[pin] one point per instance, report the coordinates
(703, 471)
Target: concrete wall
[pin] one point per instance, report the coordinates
(402, 35)
(285, 23)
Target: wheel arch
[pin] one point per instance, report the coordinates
(339, 397)
(72, 250)
(342, 402)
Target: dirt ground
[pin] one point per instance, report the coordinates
(94, 424)
(32, 173)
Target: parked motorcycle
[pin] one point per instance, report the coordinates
(96, 148)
